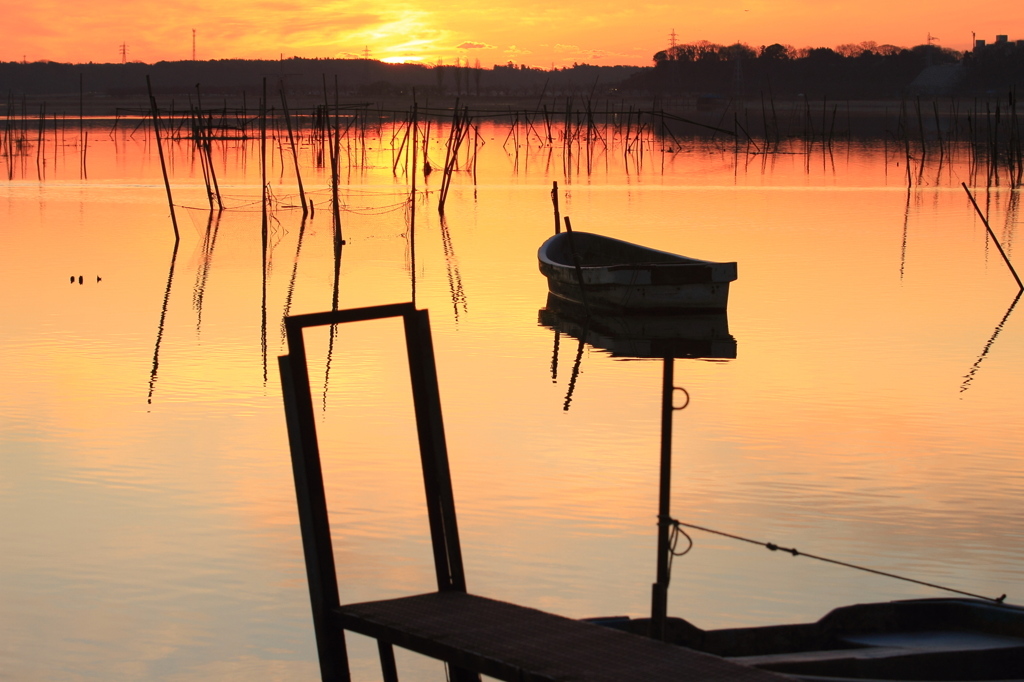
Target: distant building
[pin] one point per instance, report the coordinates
(1002, 42)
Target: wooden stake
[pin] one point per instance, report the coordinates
(993, 235)
(163, 165)
(295, 153)
(554, 201)
(579, 269)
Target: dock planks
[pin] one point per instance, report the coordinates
(517, 643)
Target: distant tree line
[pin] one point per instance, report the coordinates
(306, 77)
(852, 71)
(702, 69)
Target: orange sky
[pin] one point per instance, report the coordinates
(525, 31)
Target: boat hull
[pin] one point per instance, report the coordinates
(620, 278)
(962, 640)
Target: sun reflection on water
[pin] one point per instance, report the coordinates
(154, 529)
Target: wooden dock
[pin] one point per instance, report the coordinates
(511, 642)
(473, 635)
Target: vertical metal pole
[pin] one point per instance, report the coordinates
(659, 592)
(388, 669)
(437, 480)
(312, 503)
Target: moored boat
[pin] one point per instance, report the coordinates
(919, 639)
(622, 277)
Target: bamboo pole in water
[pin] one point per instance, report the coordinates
(295, 153)
(578, 267)
(993, 235)
(206, 151)
(401, 149)
(449, 163)
(40, 157)
(206, 148)
(476, 154)
(85, 158)
(163, 165)
(81, 124)
(920, 128)
(412, 201)
(263, 159)
(415, 131)
(554, 201)
(197, 145)
(459, 129)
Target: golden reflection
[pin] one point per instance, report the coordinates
(840, 427)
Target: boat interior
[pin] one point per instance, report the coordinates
(924, 639)
(599, 251)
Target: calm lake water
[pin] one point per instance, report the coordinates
(149, 527)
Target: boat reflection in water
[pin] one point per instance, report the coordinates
(961, 639)
(700, 335)
(696, 335)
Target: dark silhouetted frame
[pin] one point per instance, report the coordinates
(471, 634)
(309, 483)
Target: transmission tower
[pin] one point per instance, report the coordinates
(366, 52)
(193, 44)
(124, 53)
(929, 57)
(672, 39)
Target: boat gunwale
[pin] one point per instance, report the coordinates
(673, 260)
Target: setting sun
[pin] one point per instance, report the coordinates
(532, 33)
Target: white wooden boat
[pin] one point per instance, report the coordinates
(621, 277)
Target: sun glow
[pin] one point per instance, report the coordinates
(531, 32)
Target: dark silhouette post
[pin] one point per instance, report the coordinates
(659, 592)
(554, 201)
(163, 165)
(295, 153)
(579, 269)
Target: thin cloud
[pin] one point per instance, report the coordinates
(576, 51)
(469, 45)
